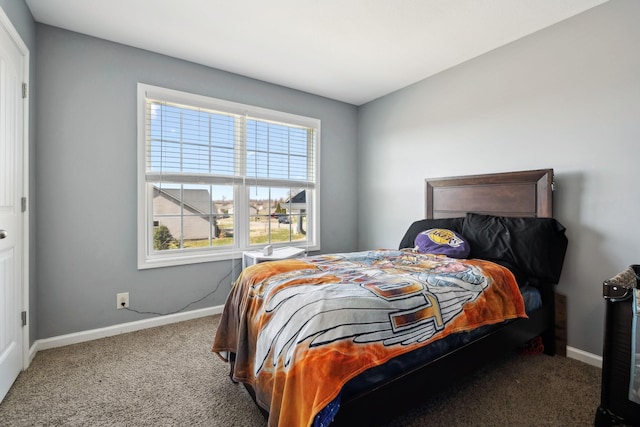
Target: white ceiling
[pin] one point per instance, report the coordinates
(349, 50)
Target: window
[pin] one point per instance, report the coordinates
(216, 178)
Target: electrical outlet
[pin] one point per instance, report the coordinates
(122, 300)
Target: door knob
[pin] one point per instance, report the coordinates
(3, 234)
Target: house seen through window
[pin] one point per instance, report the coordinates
(216, 178)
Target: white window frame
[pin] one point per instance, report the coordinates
(147, 256)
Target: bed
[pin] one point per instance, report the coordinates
(357, 337)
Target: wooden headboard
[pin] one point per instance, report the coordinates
(521, 194)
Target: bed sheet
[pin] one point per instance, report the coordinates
(301, 329)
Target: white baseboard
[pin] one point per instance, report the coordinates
(583, 356)
(78, 337)
(93, 334)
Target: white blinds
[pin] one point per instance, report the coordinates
(187, 144)
(279, 151)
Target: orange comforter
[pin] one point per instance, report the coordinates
(301, 328)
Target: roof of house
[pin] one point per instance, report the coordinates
(301, 197)
(196, 199)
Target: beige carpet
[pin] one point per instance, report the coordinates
(167, 376)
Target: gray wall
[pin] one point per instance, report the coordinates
(566, 98)
(86, 193)
(22, 20)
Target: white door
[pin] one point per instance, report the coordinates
(11, 228)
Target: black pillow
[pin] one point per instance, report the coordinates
(535, 246)
(408, 241)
